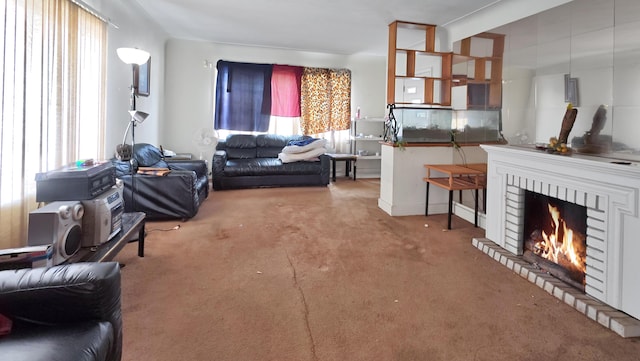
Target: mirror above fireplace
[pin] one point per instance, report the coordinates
(592, 43)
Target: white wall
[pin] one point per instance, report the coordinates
(190, 85)
(500, 13)
(131, 28)
(402, 187)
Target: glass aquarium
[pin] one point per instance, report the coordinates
(442, 125)
(424, 125)
(477, 126)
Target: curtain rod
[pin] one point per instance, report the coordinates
(94, 12)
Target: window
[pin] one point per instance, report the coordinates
(52, 100)
(243, 96)
(283, 99)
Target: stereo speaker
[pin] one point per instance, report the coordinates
(58, 224)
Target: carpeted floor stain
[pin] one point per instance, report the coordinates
(324, 274)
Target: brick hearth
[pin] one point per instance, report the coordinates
(616, 321)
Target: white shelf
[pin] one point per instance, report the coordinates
(366, 135)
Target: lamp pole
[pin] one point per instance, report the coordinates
(132, 122)
(135, 57)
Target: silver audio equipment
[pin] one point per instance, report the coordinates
(58, 224)
(102, 217)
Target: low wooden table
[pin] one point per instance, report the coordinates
(459, 178)
(132, 226)
(348, 158)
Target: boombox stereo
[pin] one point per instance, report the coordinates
(102, 217)
(58, 224)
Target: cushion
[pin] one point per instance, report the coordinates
(148, 155)
(74, 341)
(270, 145)
(268, 152)
(241, 153)
(259, 167)
(305, 147)
(311, 154)
(271, 140)
(243, 141)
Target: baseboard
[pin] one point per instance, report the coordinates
(468, 213)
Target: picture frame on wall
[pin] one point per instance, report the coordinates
(142, 77)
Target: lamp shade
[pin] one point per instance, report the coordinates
(138, 116)
(133, 55)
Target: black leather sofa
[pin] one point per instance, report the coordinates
(68, 312)
(175, 195)
(251, 161)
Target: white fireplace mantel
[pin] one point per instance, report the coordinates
(609, 191)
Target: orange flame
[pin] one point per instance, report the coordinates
(560, 243)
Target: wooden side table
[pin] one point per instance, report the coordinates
(457, 178)
(348, 158)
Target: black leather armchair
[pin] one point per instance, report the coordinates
(175, 195)
(68, 312)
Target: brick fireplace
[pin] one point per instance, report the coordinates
(609, 191)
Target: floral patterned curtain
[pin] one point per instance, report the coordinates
(325, 100)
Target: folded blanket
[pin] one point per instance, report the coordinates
(312, 154)
(302, 142)
(305, 145)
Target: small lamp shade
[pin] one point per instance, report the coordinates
(133, 55)
(138, 116)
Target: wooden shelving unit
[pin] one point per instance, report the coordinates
(418, 74)
(407, 64)
(482, 84)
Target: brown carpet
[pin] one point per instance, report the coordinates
(324, 274)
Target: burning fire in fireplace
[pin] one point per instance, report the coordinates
(559, 246)
(554, 242)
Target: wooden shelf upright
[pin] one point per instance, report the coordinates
(493, 83)
(436, 83)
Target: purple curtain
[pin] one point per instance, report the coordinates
(243, 96)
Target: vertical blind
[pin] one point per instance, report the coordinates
(52, 100)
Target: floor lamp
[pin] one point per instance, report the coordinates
(135, 57)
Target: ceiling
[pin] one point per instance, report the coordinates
(327, 26)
